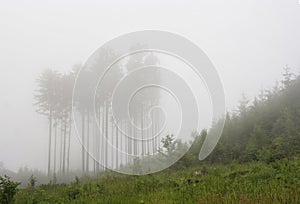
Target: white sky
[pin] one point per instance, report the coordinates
(248, 41)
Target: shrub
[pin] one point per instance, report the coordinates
(8, 189)
(100, 188)
(72, 192)
(32, 181)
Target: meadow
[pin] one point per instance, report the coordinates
(253, 182)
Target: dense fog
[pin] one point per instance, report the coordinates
(249, 44)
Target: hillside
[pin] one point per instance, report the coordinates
(278, 182)
(256, 161)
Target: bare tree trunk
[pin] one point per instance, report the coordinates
(98, 141)
(129, 131)
(64, 145)
(157, 126)
(82, 139)
(148, 141)
(117, 148)
(106, 134)
(55, 141)
(50, 134)
(95, 142)
(103, 139)
(69, 142)
(88, 142)
(61, 147)
(135, 136)
(126, 143)
(112, 142)
(121, 141)
(142, 130)
(153, 134)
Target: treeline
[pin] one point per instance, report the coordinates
(54, 100)
(101, 137)
(265, 130)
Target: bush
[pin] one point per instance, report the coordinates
(72, 192)
(8, 189)
(100, 188)
(32, 181)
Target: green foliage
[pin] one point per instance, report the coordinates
(72, 192)
(255, 161)
(255, 182)
(8, 189)
(100, 188)
(267, 130)
(168, 143)
(76, 180)
(32, 181)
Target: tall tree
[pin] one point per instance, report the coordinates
(47, 100)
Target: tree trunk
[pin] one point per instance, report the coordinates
(112, 142)
(98, 136)
(88, 142)
(61, 146)
(121, 141)
(65, 140)
(50, 134)
(95, 143)
(102, 138)
(69, 142)
(55, 141)
(135, 136)
(117, 148)
(153, 134)
(142, 130)
(82, 139)
(106, 134)
(130, 141)
(147, 138)
(126, 144)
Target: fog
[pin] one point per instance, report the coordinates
(248, 42)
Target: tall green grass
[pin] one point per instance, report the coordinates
(277, 182)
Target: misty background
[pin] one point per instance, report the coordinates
(249, 43)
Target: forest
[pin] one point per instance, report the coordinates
(149, 102)
(255, 161)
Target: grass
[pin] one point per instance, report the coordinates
(255, 182)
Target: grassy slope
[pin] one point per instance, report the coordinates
(277, 182)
